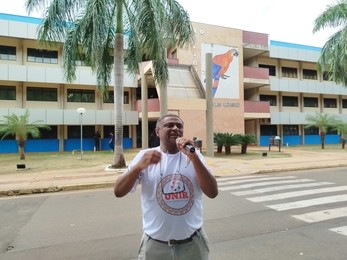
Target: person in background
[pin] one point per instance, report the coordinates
(97, 137)
(111, 142)
(173, 181)
(154, 140)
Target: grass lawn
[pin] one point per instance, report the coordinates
(41, 162)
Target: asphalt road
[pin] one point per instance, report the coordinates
(293, 215)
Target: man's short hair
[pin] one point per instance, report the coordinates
(165, 116)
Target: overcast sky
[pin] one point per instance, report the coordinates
(287, 21)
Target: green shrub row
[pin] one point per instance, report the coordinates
(228, 139)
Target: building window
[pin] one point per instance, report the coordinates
(326, 76)
(311, 130)
(80, 63)
(310, 102)
(309, 74)
(110, 128)
(42, 56)
(42, 94)
(330, 103)
(289, 72)
(268, 130)
(272, 69)
(344, 103)
(81, 60)
(7, 93)
(331, 131)
(51, 133)
(110, 97)
(74, 131)
(7, 52)
(289, 101)
(152, 93)
(80, 95)
(271, 98)
(290, 130)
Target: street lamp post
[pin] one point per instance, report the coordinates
(81, 111)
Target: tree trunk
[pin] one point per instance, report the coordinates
(163, 100)
(227, 149)
(119, 160)
(322, 135)
(343, 141)
(219, 148)
(21, 149)
(244, 149)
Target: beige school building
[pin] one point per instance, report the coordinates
(260, 87)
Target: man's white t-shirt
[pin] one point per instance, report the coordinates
(171, 197)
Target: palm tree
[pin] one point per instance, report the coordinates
(219, 140)
(95, 29)
(245, 140)
(342, 128)
(229, 140)
(21, 128)
(333, 58)
(323, 122)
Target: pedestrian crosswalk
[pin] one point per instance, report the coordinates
(289, 193)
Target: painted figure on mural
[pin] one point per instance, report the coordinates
(220, 65)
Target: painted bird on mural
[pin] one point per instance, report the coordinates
(220, 65)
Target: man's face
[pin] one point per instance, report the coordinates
(170, 129)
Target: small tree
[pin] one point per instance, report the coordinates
(342, 128)
(245, 140)
(230, 140)
(323, 122)
(219, 140)
(21, 128)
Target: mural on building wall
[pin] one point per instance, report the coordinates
(225, 70)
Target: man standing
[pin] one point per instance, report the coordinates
(111, 142)
(97, 137)
(173, 181)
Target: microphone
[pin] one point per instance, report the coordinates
(188, 147)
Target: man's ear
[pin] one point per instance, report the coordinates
(157, 131)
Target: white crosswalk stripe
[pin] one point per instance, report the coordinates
(340, 230)
(308, 203)
(296, 194)
(224, 179)
(259, 184)
(253, 180)
(280, 186)
(322, 215)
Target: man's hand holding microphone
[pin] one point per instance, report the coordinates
(185, 144)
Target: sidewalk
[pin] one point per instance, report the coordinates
(98, 177)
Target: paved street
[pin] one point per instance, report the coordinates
(28, 182)
(255, 216)
(294, 194)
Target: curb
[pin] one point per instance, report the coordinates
(109, 184)
(300, 168)
(54, 189)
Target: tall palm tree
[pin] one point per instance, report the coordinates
(323, 122)
(96, 29)
(21, 128)
(333, 58)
